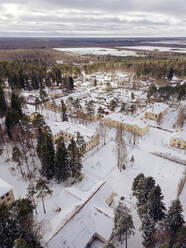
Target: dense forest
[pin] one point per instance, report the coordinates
(29, 76)
(151, 66)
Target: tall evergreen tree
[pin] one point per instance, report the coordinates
(71, 83)
(155, 204)
(89, 108)
(16, 104)
(174, 220)
(64, 116)
(45, 148)
(47, 157)
(43, 191)
(123, 224)
(16, 220)
(3, 107)
(148, 229)
(62, 169)
(170, 74)
(75, 162)
(81, 144)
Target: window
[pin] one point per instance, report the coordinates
(8, 199)
(7, 194)
(2, 197)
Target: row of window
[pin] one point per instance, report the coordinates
(5, 196)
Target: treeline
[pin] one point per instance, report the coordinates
(151, 66)
(29, 76)
(166, 92)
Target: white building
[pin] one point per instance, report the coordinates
(90, 223)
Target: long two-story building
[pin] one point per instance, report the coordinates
(130, 124)
(157, 111)
(68, 131)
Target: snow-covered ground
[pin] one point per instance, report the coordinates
(100, 164)
(156, 48)
(98, 51)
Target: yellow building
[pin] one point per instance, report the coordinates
(32, 116)
(133, 125)
(52, 106)
(68, 131)
(157, 111)
(55, 93)
(6, 193)
(178, 139)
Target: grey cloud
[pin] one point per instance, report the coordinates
(114, 17)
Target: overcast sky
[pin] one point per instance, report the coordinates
(93, 18)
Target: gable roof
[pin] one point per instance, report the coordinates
(157, 108)
(93, 216)
(4, 187)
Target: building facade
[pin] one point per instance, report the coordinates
(178, 139)
(133, 125)
(69, 131)
(6, 193)
(157, 111)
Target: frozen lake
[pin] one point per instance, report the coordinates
(98, 51)
(156, 48)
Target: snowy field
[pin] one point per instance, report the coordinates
(98, 51)
(155, 48)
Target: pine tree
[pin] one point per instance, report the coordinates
(47, 157)
(155, 205)
(148, 229)
(16, 104)
(17, 157)
(16, 220)
(170, 74)
(31, 191)
(3, 107)
(64, 116)
(112, 105)
(141, 187)
(70, 83)
(45, 148)
(43, 190)
(123, 224)
(174, 219)
(81, 144)
(12, 119)
(89, 108)
(62, 169)
(100, 112)
(75, 162)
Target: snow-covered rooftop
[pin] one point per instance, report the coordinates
(93, 216)
(71, 128)
(4, 187)
(179, 134)
(128, 120)
(157, 108)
